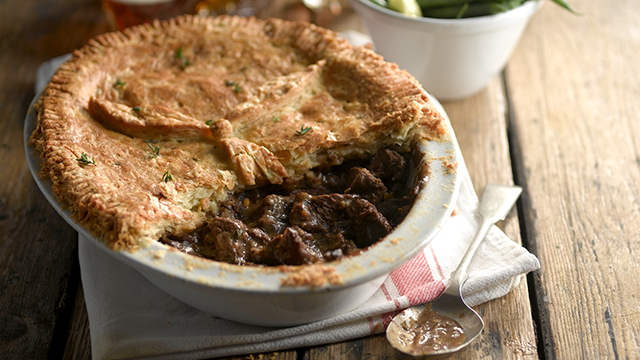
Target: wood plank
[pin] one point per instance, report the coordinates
(480, 125)
(36, 253)
(574, 86)
(37, 248)
(276, 355)
(78, 339)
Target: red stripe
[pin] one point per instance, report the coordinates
(372, 328)
(385, 291)
(414, 280)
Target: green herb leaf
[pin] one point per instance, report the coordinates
(235, 84)
(303, 130)
(208, 122)
(166, 177)
(178, 54)
(275, 119)
(565, 5)
(84, 160)
(184, 62)
(155, 151)
(136, 108)
(463, 10)
(119, 83)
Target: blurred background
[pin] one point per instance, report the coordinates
(327, 13)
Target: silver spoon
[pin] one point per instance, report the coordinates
(448, 324)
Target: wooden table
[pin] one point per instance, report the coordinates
(562, 122)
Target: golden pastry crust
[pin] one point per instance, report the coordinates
(177, 114)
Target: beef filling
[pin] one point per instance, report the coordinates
(332, 213)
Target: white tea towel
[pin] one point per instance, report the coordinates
(131, 318)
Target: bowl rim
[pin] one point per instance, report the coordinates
(471, 24)
(378, 260)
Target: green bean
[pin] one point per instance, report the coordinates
(454, 9)
(565, 5)
(427, 4)
(465, 10)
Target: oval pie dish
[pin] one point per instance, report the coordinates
(269, 295)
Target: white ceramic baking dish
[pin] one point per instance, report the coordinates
(256, 295)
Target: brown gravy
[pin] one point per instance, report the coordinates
(427, 333)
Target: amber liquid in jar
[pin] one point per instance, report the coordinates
(244, 8)
(124, 13)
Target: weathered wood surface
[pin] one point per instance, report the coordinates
(565, 120)
(574, 86)
(38, 279)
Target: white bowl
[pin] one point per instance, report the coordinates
(452, 58)
(256, 295)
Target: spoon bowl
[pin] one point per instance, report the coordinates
(448, 324)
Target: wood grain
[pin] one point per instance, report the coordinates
(574, 88)
(37, 248)
(78, 338)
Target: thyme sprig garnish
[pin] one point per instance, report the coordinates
(166, 177)
(236, 86)
(155, 150)
(208, 122)
(119, 83)
(303, 130)
(84, 160)
(275, 118)
(184, 61)
(136, 108)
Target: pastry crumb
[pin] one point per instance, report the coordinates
(313, 276)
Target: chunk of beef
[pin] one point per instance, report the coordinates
(260, 248)
(326, 216)
(388, 164)
(272, 214)
(229, 239)
(231, 208)
(183, 242)
(367, 224)
(362, 182)
(309, 215)
(295, 247)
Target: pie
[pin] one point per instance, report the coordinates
(149, 132)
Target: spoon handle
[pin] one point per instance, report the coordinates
(495, 204)
(459, 275)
